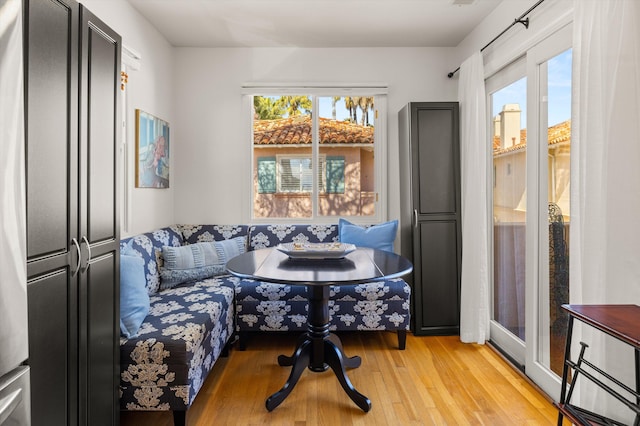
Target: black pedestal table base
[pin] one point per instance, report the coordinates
(318, 350)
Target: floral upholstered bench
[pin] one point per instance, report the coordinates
(185, 328)
(178, 318)
(263, 307)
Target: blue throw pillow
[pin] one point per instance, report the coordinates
(379, 236)
(198, 261)
(134, 299)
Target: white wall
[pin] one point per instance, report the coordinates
(512, 44)
(212, 145)
(151, 88)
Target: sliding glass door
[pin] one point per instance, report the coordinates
(530, 138)
(508, 96)
(549, 66)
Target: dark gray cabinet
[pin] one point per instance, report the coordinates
(430, 213)
(72, 75)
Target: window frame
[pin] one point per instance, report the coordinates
(379, 91)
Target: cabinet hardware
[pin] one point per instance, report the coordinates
(75, 243)
(84, 240)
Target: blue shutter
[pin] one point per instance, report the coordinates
(335, 175)
(266, 175)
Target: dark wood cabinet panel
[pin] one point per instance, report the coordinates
(99, 114)
(72, 73)
(52, 349)
(438, 296)
(99, 388)
(430, 213)
(436, 162)
(51, 119)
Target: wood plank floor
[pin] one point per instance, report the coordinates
(436, 381)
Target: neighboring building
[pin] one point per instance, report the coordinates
(283, 174)
(509, 166)
(509, 230)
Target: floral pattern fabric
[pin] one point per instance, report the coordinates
(263, 236)
(149, 247)
(201, 233)
(188, 326)
(380, 305)
(261, 306)
(185, 332)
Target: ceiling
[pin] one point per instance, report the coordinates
(315, 23)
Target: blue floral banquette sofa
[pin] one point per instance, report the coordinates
(188, 312)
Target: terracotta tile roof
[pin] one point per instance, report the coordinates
(297, 130)
(557, 134)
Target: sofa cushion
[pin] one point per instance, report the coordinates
(134, 299)
(148, 246)
(379, 305)
(380, 236)
(199, 233)
(263, 236)
(197, 261)
(169, 278)
(177, 345)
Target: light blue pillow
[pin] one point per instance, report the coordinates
(379, 236)
(198, 261)
(134, 299)
(170, 278)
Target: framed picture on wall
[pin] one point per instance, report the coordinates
(152, 151)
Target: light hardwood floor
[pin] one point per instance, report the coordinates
(436, 381)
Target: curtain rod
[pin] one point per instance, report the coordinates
(518, 20)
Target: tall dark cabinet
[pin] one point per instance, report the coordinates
(72, 73)
(430, 213)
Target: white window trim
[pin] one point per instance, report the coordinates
(378, 90)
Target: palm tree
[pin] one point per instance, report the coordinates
(351, 104)
(266, 108)
(295, 105)
(333, 106)
(365, 104)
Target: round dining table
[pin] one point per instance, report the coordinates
(318, 349)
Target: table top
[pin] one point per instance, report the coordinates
(619, 321)
(361, 265)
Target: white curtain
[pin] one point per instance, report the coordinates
(474, 304)
(605, 216)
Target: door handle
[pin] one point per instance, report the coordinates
(75, 243)
(9, 403)
(84, 240)
(415, 218)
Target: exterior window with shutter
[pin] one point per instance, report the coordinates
(294, 174)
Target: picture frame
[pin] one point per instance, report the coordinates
(152, 151)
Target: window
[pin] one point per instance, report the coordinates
(293, 174)
(317, 156)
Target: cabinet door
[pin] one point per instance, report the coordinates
(436, 236)
(437, 296)
(99, 227)
(51, 75)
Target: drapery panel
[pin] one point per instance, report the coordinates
(605, 236)
(474, 302)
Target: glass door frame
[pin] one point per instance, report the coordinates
(537, 271)
(525, 354)
(507, 342)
